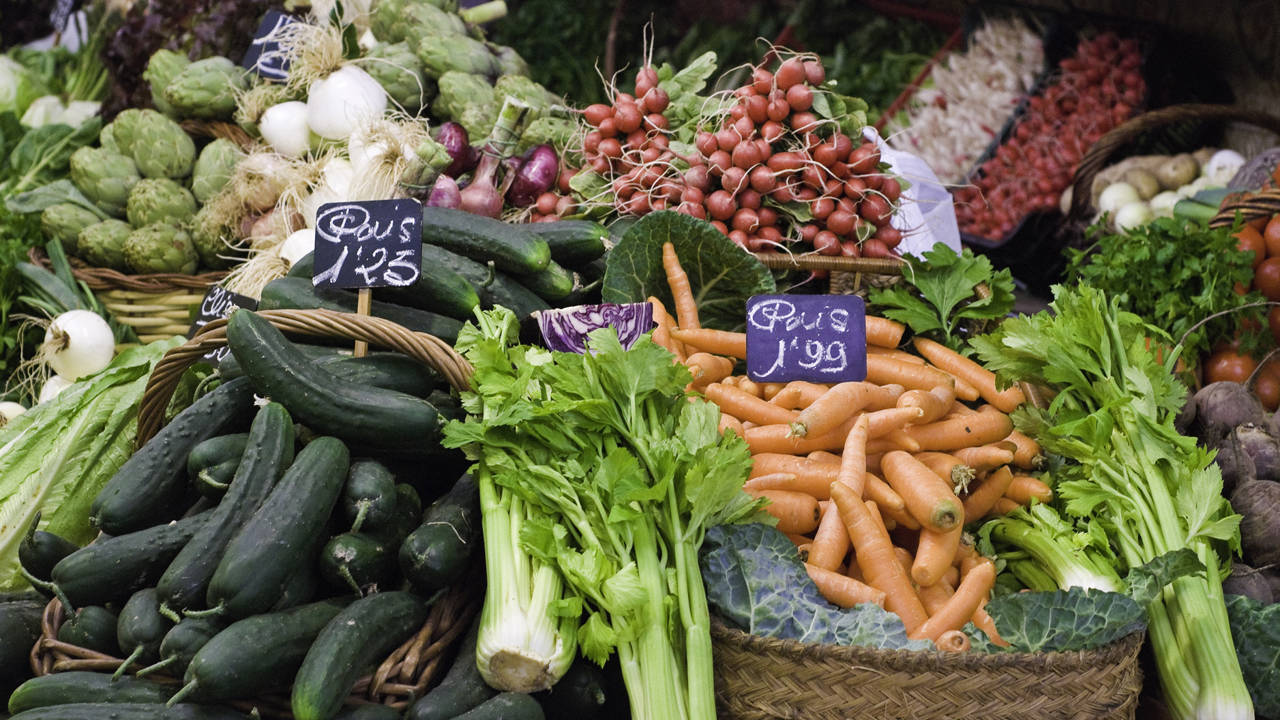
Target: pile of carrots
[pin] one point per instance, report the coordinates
(874, 480)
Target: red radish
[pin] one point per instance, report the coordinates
(650, 154)
(874, 248)
(595, 114)
(599, 164)
(738, 237)
(646, 78)
(875, 208)
(849, 248)
(611, 148)
(691, 195)
(635, 139)
(790, 72)
(800, 97)
(638, 204)
(771, 131)
(608, 127)
(840, 170)
(873, 181)
(746, 155)
(890, 236)
(659, 203)
(749, 198)
(746, 220)
(706, 143)
(724, 229)
(843, 144)
(757, 108)
(812, 176)
(546, 203)
(564, 205)
(808, 232)
(847, 205)
(785, 161)
(737, 112)
(864, 159)
(621, 97)
(814, 72)
(566, 174)
(762, 179)
(761, 80)
(659, 141)
(697, 177)
(693, 210)
(840, 222)
(655, 100)
(768, 232)
(768, 216)
(821, 208)
(719, 162)
(720, 205)
(756, 243)
(826, 243)
(778, 107)
(591, 142)
(784, 193)
(733, 179)
(805, 194)
(627, 116)
(744, 127)
(802, 121)
(826, 154)
(891, 189)
(727, 138)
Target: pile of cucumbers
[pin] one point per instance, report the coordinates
(470, 261)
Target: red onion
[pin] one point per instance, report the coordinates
(536, 176)
(481, 197)
(445, 193)
(454, 138)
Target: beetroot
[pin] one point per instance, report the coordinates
(1258, 503)
(1249, 582)
(1221, 407)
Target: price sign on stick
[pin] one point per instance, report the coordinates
(368, 244)
(218, 302)
(264, 55)
(818, 338)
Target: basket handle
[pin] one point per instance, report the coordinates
(1251, 206)
(1098, 156)
(376, 331)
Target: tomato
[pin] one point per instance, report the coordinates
(1267, 385)
(1250, 240)
(1226, 365)
(1272, 235)
(1267, 278)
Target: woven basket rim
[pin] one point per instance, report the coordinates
(102, 279)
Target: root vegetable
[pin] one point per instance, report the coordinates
(1258, 503)
(1221, 407)
(1247, 581)
(78, 343)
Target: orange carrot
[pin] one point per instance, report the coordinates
(730, 423)
(778, 439)
(933, 403)
(947, 467)
(798, 394)
(719, 342)
(959, 409)
(748, 385)
(978, 429)
(929, 498)
(796, 512)
(770, 390)
(821, 470)
(901, 518)
(1027, 455)
(880, 423)
(964, 390)
(842, 590)
(982, 498)
(896, 354)
(885, 496)
(934, 554)
(904, 557)
(894, 440)
(873, 462)
(982, 619)
(875, 557)
(731, 381)
(884, 332)
(803, 551)
(809, 484)
(834, 407)
(798, 539)
(954, 641)
(681, 292)
(665, 324)
(882, 370)
(984, 458)
(966, 552)
(747, 425)
(876, 516)
(745, 406)
(934, 596)
(853, 461)
(971, 372)
(951, 576)
(974, 588)
(707, 368)
(1024, 487)
(830, 540)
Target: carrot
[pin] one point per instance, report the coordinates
(951, 576)
(934, 596)
(778, 439)
(885, 496)
(929, 498)
(798, 394)
(853, 461)
(966, 553)
(884, 332)
(745, 406)
(964, 391)
(896, 354)
(982, 619)
(876, 516)
(984, 458)
(798, 539)
(842, 590)
(809, 471)
(747, 425)
(796, 512)
(681, 292)
(665, 324)
(719, 342)
(953, 641)
(982, 498)
(873, 462)
(731, 424)
(934, 554)
(978, 429)
(731, 381)
(882, 370)
(769, 390)
(880, 423)
(803, 551)
(900, 518)
(1024, 487)
(959, 409)
(834, 407)
(894, 440)
(707, 368)
(875, 557)
(809, 484)
(750, 386)
(1027, 456)
(973, 589)
(830, 540)
(662, 338)
(904, 557)
(946, 466)
(933, 403)
(971, 372)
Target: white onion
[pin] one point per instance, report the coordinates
(1223, 166)
(335, 186)
(52, 387)
(78, 343)
(1117, 195)
(1133, 215)
(297, 245)
(284, 127)
(9, 411)
(1162, 204)
(340, 102)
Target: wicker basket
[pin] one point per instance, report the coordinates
(849, 275)
(1252, 206)
(408, 671)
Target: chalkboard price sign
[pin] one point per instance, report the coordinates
(366, 244)
(264, 55)
(218, 302)
(818, 338)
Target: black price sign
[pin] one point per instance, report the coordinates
(264, 55)
(366, 244)
(218, 302)
(817, 338)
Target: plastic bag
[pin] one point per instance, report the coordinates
(926, 213)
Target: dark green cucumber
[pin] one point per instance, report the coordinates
(39, 551)
(85, 687)
(581, 693)
(149, 487)
(495, 288)
(505, 706)
(212, 482)
(408, 516)
(257, 653)
(288, 293)
(387, 370)
(92, 628)
(113, 568)
(513, 248)
(141, 628)
(216, 450)
(437, 553)
(369, 497)
(268, 454)
(552, 284)
(572, 242)
(303, 585)
(181, 644)
(461, 689)
(592, 271)
(355, 561)
(368, 712)
(439, 289)
(278, 538)
(368, 417)
(130, 711)
(19, 631)
(357, 638)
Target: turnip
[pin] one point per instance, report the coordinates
(1247, 581)
(1259, 506)
(1116, 196)
(1221, 407)
(1236, 465)
(1262, 447)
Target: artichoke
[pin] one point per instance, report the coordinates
(104, 177)
(526, 91)
(159, 200)
(549, 130)
(64, 221)
(124, 128)
(162, 68)
(413, 21)
(102, 244)
(508, 60)
(214, 168)
(206, 89)
(161, 147)
(399, 72)
(213, 237)
(160, 248)
(455, 53)
(478, 120)
(107, 138)
(458, 91)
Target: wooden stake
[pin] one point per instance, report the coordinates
(363, 300)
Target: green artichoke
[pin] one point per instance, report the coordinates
(156, 200)
(104, 177)
(526, 91)
(160, 248)
(458, 91)
(162, 148)
(508, 60)
(206, 89)
(478, 120)
(213, 168)
(412, 21)
(102, 244)
(107, 138)
(64, 221)
(213, 237)
(399, 72)
(554, 131)
(449, 53)
(162, 68)
(124, 128)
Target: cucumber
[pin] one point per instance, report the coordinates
(92, 628)
(269, 452)
(439, 289)
(212, 482)
(257, 653)
(355, 561)
(85, 687)
(572, 242)
(356, 639)
(582, 693)
(303, 584)
(513, 248)
(278, 539)
(288, 293)
(369, 497)
(19, 631)
(461, 689)
(439, 551)
(181, 644)
(495, 288)
(387, 370)
(141, 628)
(148, 488)
(592, 271)
(368, 712)
(408, 515)
(129, 711)
(39, 551)
(214, 451)
(552, 284)
(505, 706)
(113, 568)
(368, 417)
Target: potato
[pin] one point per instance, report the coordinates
(1144, 181)
(1177, 171)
